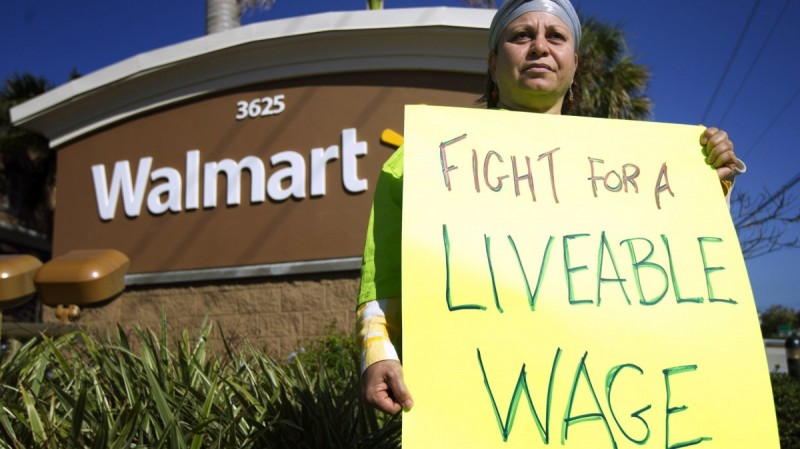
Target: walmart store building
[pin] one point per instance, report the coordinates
(236, 171)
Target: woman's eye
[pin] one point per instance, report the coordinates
(521, 36)
(556, 36)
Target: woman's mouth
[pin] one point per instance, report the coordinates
(537, 68)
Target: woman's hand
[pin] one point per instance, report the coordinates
(382, 387)
(718, 150)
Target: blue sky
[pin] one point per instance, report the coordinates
(687, 45)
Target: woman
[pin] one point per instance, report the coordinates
(532, 62)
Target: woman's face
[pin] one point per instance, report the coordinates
(534, 63)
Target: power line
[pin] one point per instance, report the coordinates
(730, 60)
(753, 64)
(774, 120)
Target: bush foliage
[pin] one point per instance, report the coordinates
(786, 392)
(78, 392)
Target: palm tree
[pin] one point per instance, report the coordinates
(374, 4)
(224, 15)
(491, 4)
(609, 83)
(27, 178)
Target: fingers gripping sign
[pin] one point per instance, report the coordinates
(718, 150)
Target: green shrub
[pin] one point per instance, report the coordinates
(786, 392)
(75, 391)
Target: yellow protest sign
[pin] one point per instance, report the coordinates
(576, 283)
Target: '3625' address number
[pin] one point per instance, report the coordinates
(260, 107)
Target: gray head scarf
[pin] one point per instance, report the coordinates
(512, 9)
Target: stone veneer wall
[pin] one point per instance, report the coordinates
(274, 314)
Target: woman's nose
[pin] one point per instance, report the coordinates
(538, 45)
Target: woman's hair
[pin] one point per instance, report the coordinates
(489, 93)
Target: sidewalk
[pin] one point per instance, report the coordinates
(776, 355)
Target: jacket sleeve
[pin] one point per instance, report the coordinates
(378, 312)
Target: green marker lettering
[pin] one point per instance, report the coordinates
(604, 247)
(708, 270)
(447, 294)
(568, 270)
(532, 297)
(645, 262)
(672, 410)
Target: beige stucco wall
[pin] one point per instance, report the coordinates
(274, 314)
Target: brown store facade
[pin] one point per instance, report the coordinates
(236, 170)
